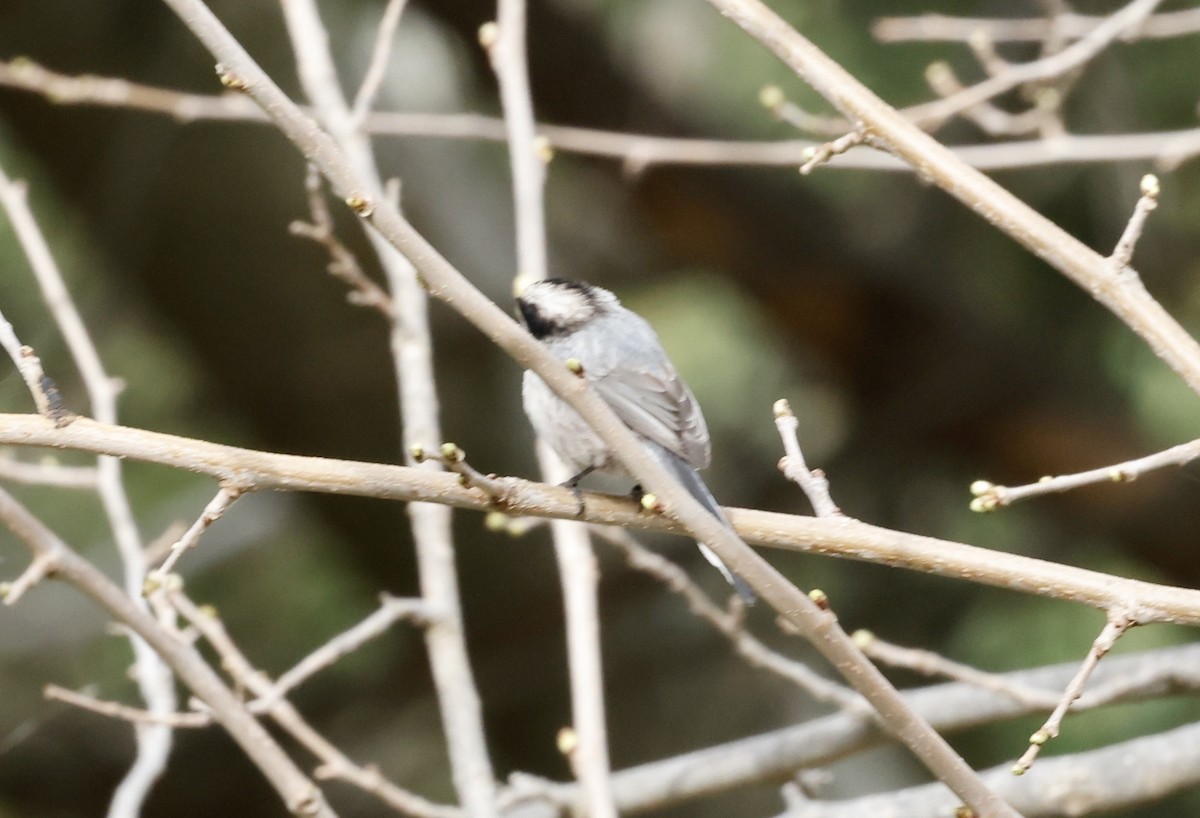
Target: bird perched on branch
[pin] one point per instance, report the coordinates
(622, 359)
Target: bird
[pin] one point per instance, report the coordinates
(623, 361)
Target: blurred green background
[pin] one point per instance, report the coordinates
(921, 349)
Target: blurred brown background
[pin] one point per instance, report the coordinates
(921, 349)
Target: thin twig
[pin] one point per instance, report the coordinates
(1123, 253)
(773, 99)
(226, 496)
(1128, 300)
(1121, 776)
(391, 610)
(373, 78)
(454, 459)
(989, 496)
(37, 570)
(585, 743)
(46, 473)
(731, 624)
(334, 763)
(296, 790)
(342, 263)
(943, 28)
(45, 394)
(812, 482)
(933, 664)
(1168, 149)
(992, 119)
(153, 676)
(771, 757)
(412, 360)
(1116, 626)
(837, 147)
(932, 115)
(123, 712)
(14, 200)
(158, 548)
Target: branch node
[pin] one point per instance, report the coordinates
(567, 741)
(361, 205)
(454, 459)
(343, 264)
(226, 496)
(813, 482)
(1122, 254)
(489, 35)
(821, 155)
(863, 638)
(984, 49)
(771, 97)
(496, 521)
(650, 504)
(231, 80)
(544, 148)
(42, 566)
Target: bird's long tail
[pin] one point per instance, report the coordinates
(690, 479)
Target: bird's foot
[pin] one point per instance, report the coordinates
(573, 485)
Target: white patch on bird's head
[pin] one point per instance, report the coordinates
(556, 306)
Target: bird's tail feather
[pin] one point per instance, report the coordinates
(686, 475)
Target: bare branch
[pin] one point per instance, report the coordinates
(505, 44)
(938, 27)
(391, 610)
(373, 79)
(41, 566)
(152, 675)
(731, 624)
(342, 264)
(226, 496)
(777, 755)
(585, 742)
(296, 790)
(1080, 784)
(837, 147)
(334, 764)
(1168, 149)
(108, 92)
(995, 121)
(838, 537)
(932, 664)
(1127, 299)
(412, 358)
(116, 710)
(46, 473)
(1123, 253)
(813, 483)
(989, 496)
(933, 114)
(1113, 630)
(454, 459)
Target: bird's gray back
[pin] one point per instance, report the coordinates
(624, 361)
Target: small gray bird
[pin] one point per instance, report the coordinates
(625, 363)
